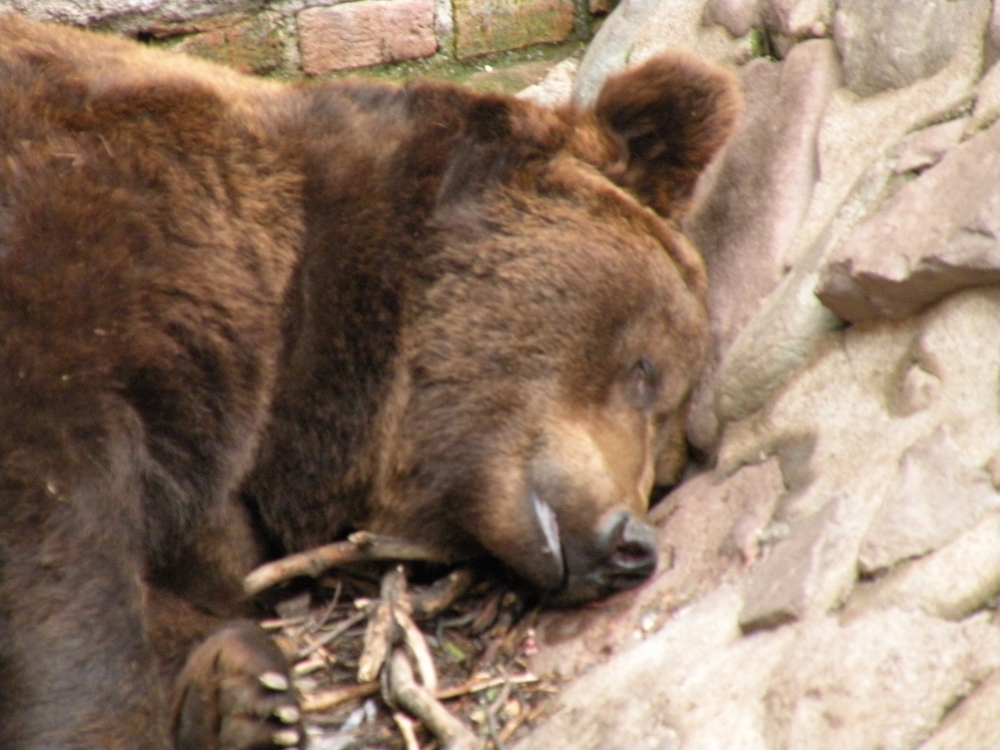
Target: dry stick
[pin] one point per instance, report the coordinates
(518, 721)
(417, 644)
(405, 724)
(333, 634)
(361, 546)
(405, 692)
(327, 699)
(380, 635)
(475, 687)
(441, 594)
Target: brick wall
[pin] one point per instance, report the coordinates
(317, 37)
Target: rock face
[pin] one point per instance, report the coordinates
(830, 577)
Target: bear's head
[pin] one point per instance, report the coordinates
(544, 371)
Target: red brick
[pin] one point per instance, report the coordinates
(483, 26)
(366, 32)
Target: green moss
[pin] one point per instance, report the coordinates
(500, 71)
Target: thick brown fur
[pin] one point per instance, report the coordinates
(238, 319)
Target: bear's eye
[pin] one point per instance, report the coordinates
(643, 383)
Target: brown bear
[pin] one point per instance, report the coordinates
(240, 318)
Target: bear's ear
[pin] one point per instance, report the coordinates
(671, 114)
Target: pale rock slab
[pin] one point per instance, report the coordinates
(927, 147)
(972, 724)
(708, 530)
(756, 199)
(737, 16)
(695, 684)
(788, 582)
(556, 88)
(792, 321)
(938, 234)
(953, 582)
(987, 106)
(800, 19)
(124, 15)
(882, 681)
(890, 45)
(935, 497)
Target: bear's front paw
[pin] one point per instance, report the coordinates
(235, 693)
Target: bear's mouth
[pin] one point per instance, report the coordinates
(549, 525)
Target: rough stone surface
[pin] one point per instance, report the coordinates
(125, 14)
(757, 199)
(556, 88)
(987, 107)
(695, 680)
(880, 682)
(935, 497)
(889, 44)
(366, 32)
(953, 582)
(927, 147)
(799, 18)
(794, 578)
(483, 26)
(855, 609)
(857, 132)
(973, 724)
(937, 234)
(737, 16)
(843, 411)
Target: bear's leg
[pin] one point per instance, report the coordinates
(77, 669)
(235, 692)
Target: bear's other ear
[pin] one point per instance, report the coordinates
(672, 114)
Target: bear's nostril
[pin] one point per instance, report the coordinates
(632, 551)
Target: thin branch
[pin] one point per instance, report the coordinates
(324, 700)
(361, 546)
(407, 694)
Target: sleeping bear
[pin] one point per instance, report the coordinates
(240, 318)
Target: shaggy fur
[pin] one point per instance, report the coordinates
(239, 319)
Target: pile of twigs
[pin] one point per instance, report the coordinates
(381, 665)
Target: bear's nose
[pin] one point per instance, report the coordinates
(629, 547)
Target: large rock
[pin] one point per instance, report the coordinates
(125, 14)
(694, 684)
(951, 583)
(889, 44)
(756, 200)
(938, 234)
(973, 724)
(879, 682)
(935, 497)
(850, 407)
(858, 131)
